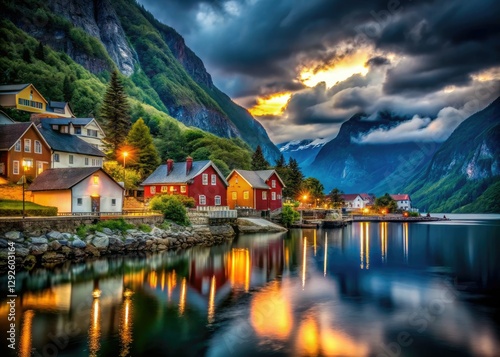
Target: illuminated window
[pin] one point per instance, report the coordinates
(152, 189)
(164, 189)
(204, 179)
(18, 146)
(217, 200)
(95, 180)
(264, 195)
(27, 145)
(79, 201)
(273, 196)
(38, 147)
(273, 183)
(15, 167)
(203, 200)
(234, 195)
(214, 180)
(183, 189)
(172, 188)
(27, 163)
(246, 195)
(39, 167)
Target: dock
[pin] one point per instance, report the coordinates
(339, 223)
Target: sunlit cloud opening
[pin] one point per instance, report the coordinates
(273, 104)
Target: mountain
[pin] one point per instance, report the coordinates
(162, 71)
(304, 151)
(464, 174)
(352, 166)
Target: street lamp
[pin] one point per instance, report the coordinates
(125, 154)
(26, 166)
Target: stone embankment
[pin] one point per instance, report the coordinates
(56, 247)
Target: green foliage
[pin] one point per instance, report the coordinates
(40, 52)
(385, 203)
(115, 116)
(314, 188)
(119, 225)
(145, 157)
(171, 207)
(487, 202)
(336, 199)
(259, 162)
(10, 208)
(170, 142)
(114, 169)
(144, 228)
(289, 215)
(294, 179)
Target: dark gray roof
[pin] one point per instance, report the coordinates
(178, 174)
(255, 178)
(14, 88)
(67, 142)
(63, 179)
(61, 105)
(10, 133)
(5, 119)
(66, 121)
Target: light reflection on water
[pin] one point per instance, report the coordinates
(370, 289)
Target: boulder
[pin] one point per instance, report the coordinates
(107, 231)
(54, 235)
(14, 236)
(39, 240)
(22, 252)
(78, 243)
(55, 245)
(68, 235)
(101, 242)
(53, 258)
(3, 243)
(91, 250)
(38, 249)
(100, 234)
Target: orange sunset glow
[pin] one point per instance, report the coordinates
(273, 104)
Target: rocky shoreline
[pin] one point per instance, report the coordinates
(53, 247)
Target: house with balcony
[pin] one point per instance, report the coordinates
(201, 180)
(22, 97)
(23, 151)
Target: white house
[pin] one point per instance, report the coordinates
(78, 190)
(353, 200)
(69, 150)
(403, 201)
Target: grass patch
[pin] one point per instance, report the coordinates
(11, 208)
(114, 224)
(144, 228)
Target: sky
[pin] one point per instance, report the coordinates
(303, 67)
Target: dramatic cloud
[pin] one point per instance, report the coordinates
(305, 67)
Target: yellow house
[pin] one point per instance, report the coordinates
(22, 97)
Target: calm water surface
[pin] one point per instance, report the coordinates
(370, 289)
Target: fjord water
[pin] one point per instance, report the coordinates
(370, 289)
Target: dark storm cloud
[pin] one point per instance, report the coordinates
(377, 61)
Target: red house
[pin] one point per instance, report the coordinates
(200, 180)
(260, 190)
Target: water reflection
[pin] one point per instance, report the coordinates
(341, 292)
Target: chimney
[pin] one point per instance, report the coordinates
(170, 166)
(189, 164)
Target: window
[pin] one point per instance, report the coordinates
(55, 127)
(264, 195)
(273, 196)
(15, 167)
(172, 188)
(17, 147)
(246, 195)
(95, 180)
(183, 189)
(152, 190)
(78, 130)
(164, 189)
(64, 129)
(39, 167)
(91, 132)
(217, 200)
(79, 201)
(27, 145)
(56, 157)
(70, 159)
(234, 195)
(204, 179)
(203, 200)
(273, 183)
(214, 179)
(113, 202)
(38, 147)
(28, 163)
(87, 161)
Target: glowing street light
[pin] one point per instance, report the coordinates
(125, 154)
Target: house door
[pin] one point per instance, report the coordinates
(96, 204)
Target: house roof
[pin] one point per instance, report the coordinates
(74, 121)
(178, 174)
(5, 119)
(64, 179)
(350, 196)
(60, 105)
(12, 88)
(10, 133)
(256, 179)
(401, 197)
(366, 197)
(67, 142)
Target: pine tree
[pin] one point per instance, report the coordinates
(40, 52)
(26, 55)
(67, 89)
(294, 182)
(259, 162)
(145, 157)
(115, 116)
(282, 169)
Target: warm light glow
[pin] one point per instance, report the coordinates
(366, 210)
(271, 313)
(125, 154)
(338, 72)
(94, 329)
(55, 298)
(126, 326)
(405, 241)
(383, 240)
(211, 301)
(128, 293)
(182, 299)
(239, 264)
(326, 254)
(153, 279)
(304, 197)
(309, 338)
(26, 334)
(304, 263)
(96, 293)
(171, 283)
(273, 104)
(364, 245)
(314, 245)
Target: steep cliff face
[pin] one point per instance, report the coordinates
(99, 19)
(464, 167)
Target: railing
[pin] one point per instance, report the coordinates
(212, 208)
(223, 214)
(132, 212)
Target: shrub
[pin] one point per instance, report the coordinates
(144, 228)
(172, 208)
(289, 215)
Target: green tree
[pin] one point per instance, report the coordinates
(67, 89)
(289, 215)
(170, 141)
(314, 188)
(385, 203)
(40, 52)
(294, 180)
(171, 207)
(115, 115)
(26, 55)
(259, 162)
(145, 157)
(115, 170)
(336, 199)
